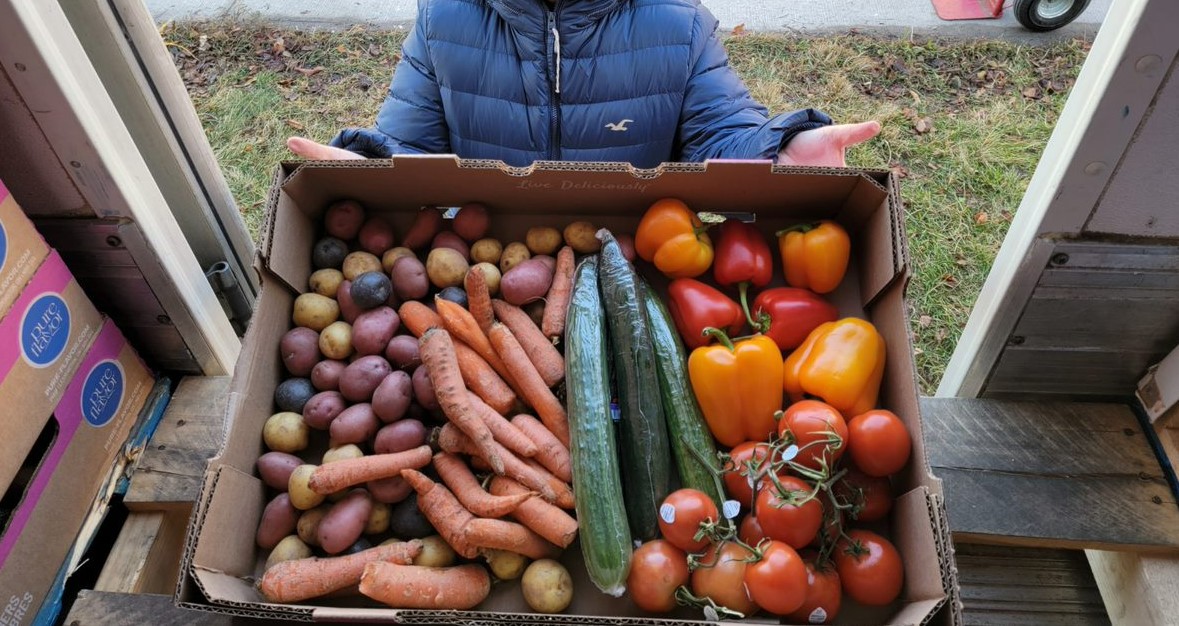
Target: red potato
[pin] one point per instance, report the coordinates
(376, 235)
(373, 329)
(549, 260)
(402, 353)
(278, 520)
(362, 376)
(410, 281)
(348, 309)
(389, 490)
(423, 390)
(400, 436)
(299, 347)
(472, 221)
(344, 522)
(425, 225)
(274, 468)
(392, 397)
(322, 408)
(355, 424)
(526, 282)
(448, 239)
(325, 376)
(344, 219)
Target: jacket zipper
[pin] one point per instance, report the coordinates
(554, 37)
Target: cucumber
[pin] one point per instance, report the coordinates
(646, 457)
(604, 534)
(686, 428)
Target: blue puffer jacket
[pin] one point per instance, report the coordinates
(639, 81)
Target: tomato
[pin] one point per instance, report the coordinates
(871, 494)
(878, 442)
(816, 427)
(783, 517)
(721, 577)
(737, 480)
(680, 517)
(777, 581)
(657, 569)
(823, 595)
(750, 530)
(869, 568)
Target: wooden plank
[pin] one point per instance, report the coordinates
(1137, 588)
(1129, 324)
(105, 608)
(1019, 585)
(1004, 464)
(192, 430)
(1072, 372)
(145, 556)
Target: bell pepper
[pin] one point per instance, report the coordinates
(792, 314)
(736, 384)
(695, 306)
(840, 363)
(815, 256)
(671, 236)
(743, 258)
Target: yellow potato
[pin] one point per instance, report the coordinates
(285, 432)
(506, 565)
(289, 549)
(335, 341)
(580, 237)
(491, 276)
(339, 453)
(315, 311)
(514, 254)
(435, 553)
(543, 240)
(392, 254)
(487, 250)
(326, 282)
(547, 586)
(359, 262)
(378, 518)
(302, 496)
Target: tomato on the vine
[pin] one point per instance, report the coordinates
(680, 516)
(657, 569)
(871, 495)
(869, 568)
(829, 530)
(777, 581)
(818, 429)
(721, 577)
(749, 530)
(789, 514)
(823, 595)
(878, 442)
(738, 482)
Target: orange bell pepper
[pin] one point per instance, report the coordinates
(671, 236)
(736, 383)
(841, 363)
(815, 256)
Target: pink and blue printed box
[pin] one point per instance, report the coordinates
(21, 249)
(68, 472)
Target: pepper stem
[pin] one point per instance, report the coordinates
(797, 228)
(720, 336)
(743, 289)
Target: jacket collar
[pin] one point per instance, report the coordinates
(530, 16)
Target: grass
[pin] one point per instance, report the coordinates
(964, 126)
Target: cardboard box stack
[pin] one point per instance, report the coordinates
(71, 391)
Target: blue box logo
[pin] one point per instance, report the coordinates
(3, 245)
(102, 393)
(45, 330)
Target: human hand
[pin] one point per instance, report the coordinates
(318, 152)
(825, 146)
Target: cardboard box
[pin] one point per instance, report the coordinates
(21, 249)
(221, 558)
(67, 469)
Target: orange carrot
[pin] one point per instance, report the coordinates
(479, 299)
(552, 455)
(463, 327)
(477, 374)
(312, 577)
(536, 393)
(495, 534)
(332, 477)
(418, 318)
(541, 352)
(544, 519)
(438, 356)
(459, 587)
(463, 484)
(512, 437)
(550, 487)
(446, 514)
(556, 303)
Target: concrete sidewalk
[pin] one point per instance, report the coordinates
(887, 17)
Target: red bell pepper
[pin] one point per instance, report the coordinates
(695, 306)
(793, 313)
(743, 258)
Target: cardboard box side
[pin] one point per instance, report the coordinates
(22, 249)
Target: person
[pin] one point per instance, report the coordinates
(638, 81)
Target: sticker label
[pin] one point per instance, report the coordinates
(817, 616)
(667, 513)
(790, 452)
(730, 508)
(45, 330)
(102, 393)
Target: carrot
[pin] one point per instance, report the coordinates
(438, 356)
(512, 437)
(552, 455)
(551, 488)
(463, 484)
(541, 352)
(544, 519)
(459, 587)
(300, 579)
(536, 393)
(463, 327)
(482, 379)
(479, 299)
(446, 514)
(556, 303)
(418, 318)
(495, 534)
(332, 477)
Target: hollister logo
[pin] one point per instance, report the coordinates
(45, 330)
(102, 393)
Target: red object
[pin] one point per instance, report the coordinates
(793, 314)
(695, 306)
(743, 258)
(968, 9)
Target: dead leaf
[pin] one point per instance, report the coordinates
(297, 125)
(918, 351)
(309, 71)
(1032, 93)
(909, 113)
(981, 218)
(898, 170)
(739, 30)
(950, 280)
(279, 46)
(923, 126)
(961, 261)
(248, 148)
(1006, 215)
(924, 321)
(940, 335)
(203, 43)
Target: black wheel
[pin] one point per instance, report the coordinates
(1045, 15)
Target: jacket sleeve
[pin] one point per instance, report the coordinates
(411, 120)
(719, 118)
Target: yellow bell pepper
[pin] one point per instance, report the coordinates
(841, 363)
(672, 237)
(738, 386)
(815, 256)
